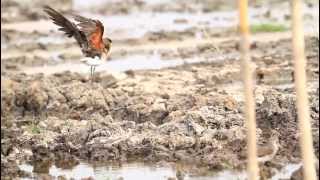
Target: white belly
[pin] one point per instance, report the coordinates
(92, 61)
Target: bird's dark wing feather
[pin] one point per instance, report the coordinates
(86, 25)
(93, 30)
(88, 32)
(89, 26)
(69, 28)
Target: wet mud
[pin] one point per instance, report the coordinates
(188, 111)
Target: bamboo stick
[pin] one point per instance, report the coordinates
(246, 66)
(302, 96)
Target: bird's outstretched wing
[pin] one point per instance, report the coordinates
(93, 29)
(69, 28)
(87, 32)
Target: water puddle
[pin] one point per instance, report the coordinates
(136, 25)
(31, 26)
(286, 172)
(159, 21)
(129, 172)
(143, 171)
(132, 171)
(134, 62)
(80, 4)
(41, 40)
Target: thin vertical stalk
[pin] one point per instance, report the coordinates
(302, 96)
(246, 67)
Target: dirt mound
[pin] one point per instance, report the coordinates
(64, 114)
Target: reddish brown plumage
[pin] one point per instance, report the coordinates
(88, 33)
(96, 37)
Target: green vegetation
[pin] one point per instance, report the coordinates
(34, 129)
(268, 27)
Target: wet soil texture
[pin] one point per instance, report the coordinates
(171, 92)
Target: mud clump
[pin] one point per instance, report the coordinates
(67, 120)
(28, 10)
(189, 114)
(278, 111)
(11, 169)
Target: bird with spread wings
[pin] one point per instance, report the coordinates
(88, 34)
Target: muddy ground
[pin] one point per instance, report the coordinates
(190, 114)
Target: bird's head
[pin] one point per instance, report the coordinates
(106, 49)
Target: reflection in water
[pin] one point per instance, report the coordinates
(133, 171)
(145, 172)
(127, 172)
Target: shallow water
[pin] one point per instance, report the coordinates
(286, 172)
(129, 172)
(134, 62)
(142, 171)
(136, 24)
(80, 4)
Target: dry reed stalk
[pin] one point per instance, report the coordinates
(246, 67)
(302, 96)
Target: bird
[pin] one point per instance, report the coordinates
(267, 151)
(89, 35)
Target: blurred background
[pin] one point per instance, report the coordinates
(170, 92)
(31, 40)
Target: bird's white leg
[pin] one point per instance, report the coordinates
(92, 62)
(91, 73)
(94, 68)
